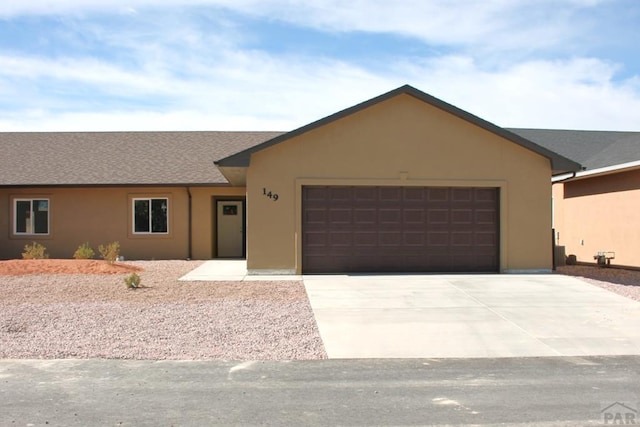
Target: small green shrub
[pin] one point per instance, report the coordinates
(84, 251)
(110, 252)
(35, 251)
(132, 281)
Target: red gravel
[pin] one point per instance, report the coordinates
(96, 316)
(16, 267)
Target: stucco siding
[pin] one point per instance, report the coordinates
(601, 214)
(558, 205)
(98, 216)
(402, 141)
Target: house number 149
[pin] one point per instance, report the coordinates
(269, 194)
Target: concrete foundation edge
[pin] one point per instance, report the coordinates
(274, 272)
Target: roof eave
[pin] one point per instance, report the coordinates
(559, 164)
(607, 170)
(564, 166)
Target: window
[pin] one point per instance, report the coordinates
(31, 216)
(150, 216)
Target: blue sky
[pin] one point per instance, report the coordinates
(77, 65)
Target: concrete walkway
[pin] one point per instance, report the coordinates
(443, 316)
(228, 270)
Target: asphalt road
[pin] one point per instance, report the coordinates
(527, 391)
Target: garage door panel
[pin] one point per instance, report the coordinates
(438, 238)
(365, 239)
(340, 239)
(367, 229)
(414, 194)
(315, 194)
(438, 216)
(486, 263)
(316, 239)
(365, 194)
(461, 194)
(335, 262)
(486, 195)
(389, 194)
(462, 216)
(340, 215)
(340, 194)
(413, 216)
(486, 239)
(413, 239)
(462, 238)
(440, 262)
(365, 216)
(389, 216)
(315, 216)
(390, 238)
(385, 264)
(437, 194)
(485, 216)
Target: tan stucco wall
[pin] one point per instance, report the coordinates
(600, 214)
(402, 141)
(101, 215)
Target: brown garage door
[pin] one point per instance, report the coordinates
(387, 229)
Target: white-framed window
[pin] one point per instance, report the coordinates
(31, 216)
(151, 215)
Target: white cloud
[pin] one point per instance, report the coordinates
(78, 71)
(234, 90)
(190, 78)
(493, 23)
(255, 91)
(579, 93)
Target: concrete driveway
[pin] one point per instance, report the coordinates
(436, 316)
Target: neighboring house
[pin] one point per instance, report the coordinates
(598, 209)
(402, 182)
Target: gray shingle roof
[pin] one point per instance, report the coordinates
(592, 149)
(119, 158)
(186, 158)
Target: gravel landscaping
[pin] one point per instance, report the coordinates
(620, 281)
(84, 310)
(96, 316)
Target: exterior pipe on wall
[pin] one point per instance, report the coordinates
(189, 227)
(553, 230)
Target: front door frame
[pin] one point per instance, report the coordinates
(222, 199)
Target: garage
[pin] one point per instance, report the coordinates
(403, 182)
(400, 229)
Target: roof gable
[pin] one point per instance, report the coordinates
(559, 163)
